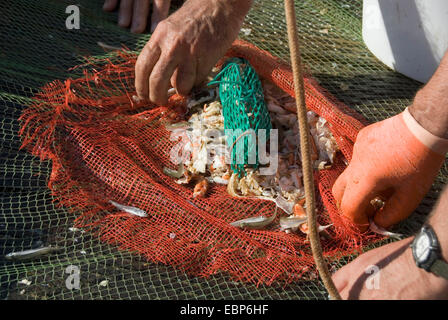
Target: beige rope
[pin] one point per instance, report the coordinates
(307, 166)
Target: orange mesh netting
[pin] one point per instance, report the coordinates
(104, 146)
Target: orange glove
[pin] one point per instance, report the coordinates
(396, 160)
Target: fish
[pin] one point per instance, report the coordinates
(108, 46)
(174, 173)
(182, 125)
(284, 204)
(255, 222)
(376, 229)
(132, 210)
(31, 253)
(291, 222)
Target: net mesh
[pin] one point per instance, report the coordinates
(244, 108)
(36, 49)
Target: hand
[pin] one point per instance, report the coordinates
(185, 46)
(390, 163)
(394, 275)
(134, 13)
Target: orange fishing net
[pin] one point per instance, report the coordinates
(105, 146)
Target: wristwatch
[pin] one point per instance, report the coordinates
(427, 253)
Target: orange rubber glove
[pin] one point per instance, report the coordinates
(396, 160)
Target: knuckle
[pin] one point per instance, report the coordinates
(162, 27)
(174, 48)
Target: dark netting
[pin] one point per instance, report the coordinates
(37, 49)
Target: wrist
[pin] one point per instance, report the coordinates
(429, 109)
(438, 286)
(433, 142)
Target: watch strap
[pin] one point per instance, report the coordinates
(440, 268)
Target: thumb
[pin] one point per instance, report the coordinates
(184, 77)
(339, 187)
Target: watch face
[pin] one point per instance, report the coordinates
(422, 247)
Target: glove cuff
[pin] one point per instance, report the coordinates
(435, 143)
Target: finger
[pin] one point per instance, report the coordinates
(184, 77)
(140, 16)
(201, 73)
(125, 14)
(160, 9)
(339, 187)
(159, 81)
(355, 202)
(110, 5)
(143, 68)
(397, 208)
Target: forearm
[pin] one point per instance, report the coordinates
(439, 222)
(430, 106)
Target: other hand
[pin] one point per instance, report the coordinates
(134, 13)
(185, 46)
(387, 273)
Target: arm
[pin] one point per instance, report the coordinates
(397, 275)
(185, 46)
(397, 159)
(439, 222)
(430, 107)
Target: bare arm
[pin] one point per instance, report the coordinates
(439, 222)
(430, 109)
(430, 106)
(398, 275)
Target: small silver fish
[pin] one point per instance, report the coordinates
(174, 173)
(291, 222)
(384, 232)
(108, 46)
(284, 204)
(132, 210)
(31, 253)
(178, 126)
(254, 222)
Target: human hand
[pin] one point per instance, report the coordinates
(388, 273)
(391, 163)
(185, 46)
(134, 13)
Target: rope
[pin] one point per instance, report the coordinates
(308, 181)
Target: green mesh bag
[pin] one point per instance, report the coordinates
(244, 111)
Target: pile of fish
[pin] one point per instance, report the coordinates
(205, 159)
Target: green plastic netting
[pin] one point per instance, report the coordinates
(37, 48)
(244, 111)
